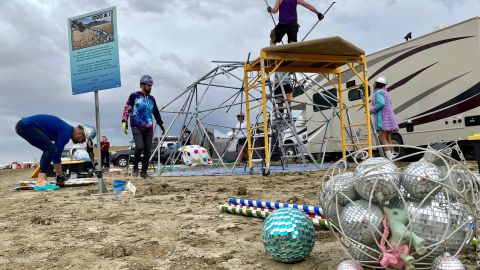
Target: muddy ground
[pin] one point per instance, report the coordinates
(171, 223)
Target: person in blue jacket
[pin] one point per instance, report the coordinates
(40, 131)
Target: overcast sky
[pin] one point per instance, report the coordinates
(175, 42)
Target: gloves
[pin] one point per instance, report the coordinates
(320, 16)
(162, 128)
(124, 127)
(269, 9)
(60, 181)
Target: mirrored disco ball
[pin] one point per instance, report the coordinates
(288, 235)
(349, 265)
(434, 221)
(366, 255)
(447, 262)
(381, 173)
(329, 197)
(340, 189)
(420, 178)
(362, 222)
(330, 209)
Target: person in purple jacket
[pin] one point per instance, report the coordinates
(382, 108)
(287, 19)
(141, 107)
(40, 130)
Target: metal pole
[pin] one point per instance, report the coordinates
(271, 15)
(318, 21)
(101, 185)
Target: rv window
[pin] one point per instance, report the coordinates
(298, 90)
(325, 100)
(356, 94)
(350, 84)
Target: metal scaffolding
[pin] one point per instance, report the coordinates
(325, 57)
(244, 85)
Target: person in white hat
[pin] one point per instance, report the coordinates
(241, 134)
(385, 120)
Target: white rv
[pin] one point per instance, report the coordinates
(434, 82)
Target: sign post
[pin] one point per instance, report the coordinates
(94, 61)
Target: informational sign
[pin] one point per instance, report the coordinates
(94, 59)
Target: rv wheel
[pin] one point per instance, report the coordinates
(398, 152)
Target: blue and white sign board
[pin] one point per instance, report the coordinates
(94, 59)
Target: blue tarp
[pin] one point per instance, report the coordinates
(209, 170)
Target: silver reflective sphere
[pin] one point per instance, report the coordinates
(330, 208)
(366, 255)
(362, 222)
(90, 132)
(288, 235)
(447, 262)
(435, 221)
(420, 178)
(338, 189)
(343, 183)
(349, 265)
(381, 173)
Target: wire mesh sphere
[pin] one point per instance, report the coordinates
(361, 221)
(378, 173)
(441, 222)
(364, 254)
(420, 178)
(349, 265)
(288, 235)
(443, 219)
(447, 262)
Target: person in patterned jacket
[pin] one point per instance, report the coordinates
(385, 121)
(141, 107)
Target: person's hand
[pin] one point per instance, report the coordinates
(124, 127)
(60, 181)
(269, 9)
(320, 16)
(162, 128)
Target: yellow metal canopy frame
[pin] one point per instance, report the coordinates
(326, 56)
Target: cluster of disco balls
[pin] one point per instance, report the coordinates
(437, 194)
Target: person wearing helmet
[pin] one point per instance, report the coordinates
(385, 120)
(287, 19)
(40, 131)
(141, 107)
(241, 134)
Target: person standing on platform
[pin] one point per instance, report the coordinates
(287, 19)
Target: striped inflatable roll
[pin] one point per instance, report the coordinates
(254, 208)
(307, 209)
(318, 222)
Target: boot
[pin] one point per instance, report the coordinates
(145, 175)
(135, 172)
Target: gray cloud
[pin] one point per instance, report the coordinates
(174, 41)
